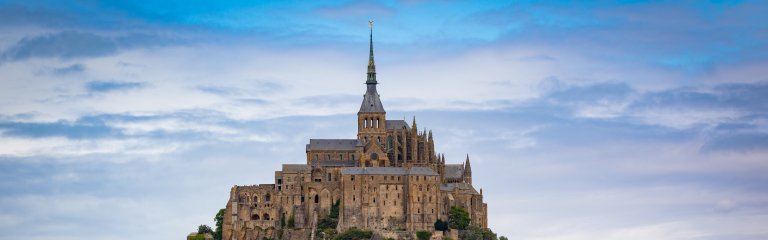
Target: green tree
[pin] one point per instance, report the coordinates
(503, 238)
(474, 232)
(458, 218)
(423, 235)
(291, 222)
(203, 229)
(440, 225)
(219, 224)
(354, 234)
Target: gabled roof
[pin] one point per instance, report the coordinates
(396, 124)
(460, 186)
(332, 144)
(454, 171)
(388, 171)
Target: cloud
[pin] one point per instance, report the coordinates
(109, 86)
(74, 130)
(77, 44)
(71, 69)
(355, 9)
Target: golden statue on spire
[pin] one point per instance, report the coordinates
(370, 22)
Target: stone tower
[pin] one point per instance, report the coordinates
(371, 119)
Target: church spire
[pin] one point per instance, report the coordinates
(371, 64)
(371, 101)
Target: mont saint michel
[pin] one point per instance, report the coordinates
(388, 182)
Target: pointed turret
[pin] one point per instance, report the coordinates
(467, 171)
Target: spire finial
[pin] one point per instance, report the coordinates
(371, 64)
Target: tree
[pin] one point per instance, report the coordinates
(203, 229)
(458, 218)
(291, 222)
(354, 234)
(423, 235)
(440, 225)
(503, 238)
(219, 224)
(474, 232)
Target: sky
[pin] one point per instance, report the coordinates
(582, 119)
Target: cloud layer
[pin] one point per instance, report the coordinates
(587, 121)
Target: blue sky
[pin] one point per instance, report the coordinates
(583, 120)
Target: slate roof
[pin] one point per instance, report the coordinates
(334, 163)
(388, 171)
(332, 144)
(454, 171)
(396, 124)
(460, 186)
(371, 101)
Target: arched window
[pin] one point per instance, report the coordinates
(317, 199)
(255, 199)
(315, 157)
(266, 216)
(377, 123)
(267, 198)
(255, 217)
(341, 157)
(353, 157)
(328, 157)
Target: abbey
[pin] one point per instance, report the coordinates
(389, 180)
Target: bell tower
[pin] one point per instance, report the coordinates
(371, 119)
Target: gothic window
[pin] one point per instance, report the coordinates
(266, 216)
(378, 139)
(255, 199)
(267, 198)
(353, 179)
(328, 157)
(317, 199)
(341, 157)
(255, 217)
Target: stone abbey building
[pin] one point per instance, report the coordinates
(388, 179)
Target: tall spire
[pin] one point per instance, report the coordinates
(371, 101)
(371, 64)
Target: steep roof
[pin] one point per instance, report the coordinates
(371, 101)
(396, 124)
(454, 171)
(332, 144)
(460, 186)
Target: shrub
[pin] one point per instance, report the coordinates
(440, 225)
(354, 234)
(458, 218)
(423, 235)
(203, 229)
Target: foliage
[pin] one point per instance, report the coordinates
(503, 238)
(282, 221)
(203, 229)
(354, 234)
(447, 238)
(291, 222)
(458, 218)
(196, 237)
(423, 235)
(440, 225)
(266, 238)
(326, 227)
(219, 224)
(474, 232)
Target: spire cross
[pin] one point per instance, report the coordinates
(370, 22)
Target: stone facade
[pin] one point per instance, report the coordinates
(389, 179)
